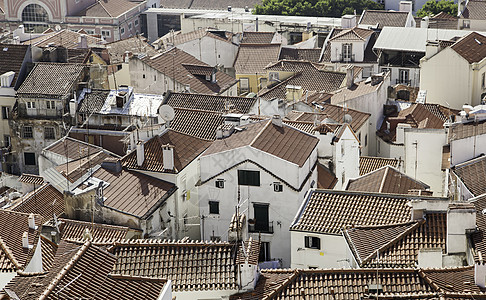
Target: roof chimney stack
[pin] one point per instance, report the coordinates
(168, 157)
(461, 221)
(349, 76)
(32, 222)
(25, 240)
(277, 120)
(140, 153)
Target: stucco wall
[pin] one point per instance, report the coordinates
(333, 252)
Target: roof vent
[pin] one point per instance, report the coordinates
(277, 121)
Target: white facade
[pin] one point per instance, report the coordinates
(282, 205)
(346, 158)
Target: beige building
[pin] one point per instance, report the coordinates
(456, 75)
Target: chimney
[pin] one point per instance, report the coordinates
(219, 132)
(405, 6)
(348, 21)
(376, 79)
(140, 153)
(127, 56)
(277, 120)
(83, 41)
(25, 240)
(480, 272)
(424, 23)
(73, 107)
(121, 98)
(32, 222)
(168, 157)
(400, 132)
(293, 93)
(431, 48)
(461, 221)
(349, 76)
(112, 164)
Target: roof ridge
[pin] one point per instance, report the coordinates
(260, 133)
(383, 180)
(65, 270)
(283, 284)
(104, 8)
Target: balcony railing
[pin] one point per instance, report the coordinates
(261, 227)
(401, 81)
(346, 58)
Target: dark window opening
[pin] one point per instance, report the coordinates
(220, 183)
(29, 159)
(214, 207)
(264, 251)
(312, 242)
(251, 178)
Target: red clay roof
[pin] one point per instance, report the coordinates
(472, 47)
(46, 201)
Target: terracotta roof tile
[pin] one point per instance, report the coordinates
(31, 179)
(385, 180)
(285, 142)
(474, 10)
(253, 58)
(478, 237)
(186, 149)
(75, 269)
(49, 250)
(464, 130)
(453, 280)
(214, 103)
(357, 90)
(93, 101)
(471, 47)
(66, 38)
(173, 64)
(11, 59)
(257, 37)
(73, 149)
(177, 38)
(325, 178)
(384, 18)
(352, 34)
(73, 230)
(312, 55)
(472, 174)
(322, 212)
(369, 164)
(135, 44)
(199, 123)
(308, 127)
(110, 8)
(51, 80)
(45, 201)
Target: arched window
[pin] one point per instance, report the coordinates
(35, 17)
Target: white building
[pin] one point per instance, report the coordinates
(263, 171)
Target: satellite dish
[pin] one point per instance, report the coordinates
(347, 119)
(57, 27)
(166, 113)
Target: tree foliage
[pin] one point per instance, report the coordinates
(315, 8)
(433, 7)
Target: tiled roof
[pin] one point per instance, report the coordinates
(66, 38)
(306, 75)
(474, 10)
(13, 256)
(198, 123)
(398, 244)
(75, 169)
(441, 20)
(323, 211)
(11, 59)
(331, 113)
(136, 44)
(49, 250)
(308, 127)
(191, 266)
(31, 179)
(51, 80)
(110, 8)
(325, 178)
(384, 18)
(442, 112)
(284, 142)
(257, 37)
(462, 130)
(78, 56)
(214, 103)
(358, 284)
(315, 97)
(93, 101)
(74, 230)
(472, 173)
(385, 180)
(84, 271)
(352, 34)
(479, 237)
(471, 47)
(177, 38)
(312, 55)
(186, 149)
(357, 90)
(45, 201)
(72, 148)
(417, 116)
(369, 164)
(173, 63)
(132, 192)
(253, 58)
(209, 4)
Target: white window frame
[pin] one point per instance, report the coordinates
(122, 30)
(30, 104)
(53, 137)
(50, 104)
(106, 33)
(135, 22)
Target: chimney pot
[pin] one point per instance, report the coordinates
(25, 240)
(140, 153)
(168, 157)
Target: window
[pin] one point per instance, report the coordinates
(466, 23)
(106, 33)
(244, 85)
(220, 184)
(90, 31)
(366, 140)
(136, 23)
(155, 77)
(347, 53)
(214, 207)
(261, 218)
(403, 76)
(385, 70)
(359, 137)
(312, 242)
(277, 187)
(264, 251)
(6, 140)
(49, 133)
(273, 76)
(29, 159)
(143, 76)
(35, 18)
(129, 26)
(6, 111)
(483, 83)
(27, 132)
(251, 178)
(122, 30)
(50, 104)
(30, 105)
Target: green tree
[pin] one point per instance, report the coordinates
(315, 8)
(433, 7)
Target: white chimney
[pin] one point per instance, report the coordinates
(480, 273)
(73, 107)
(461, 220)
(431, 48)
(140, 153)
(424, 23)
(32, 222)
(25, 240)
(349, 76)
(348, 21)
(277, 121)
(83, 41)
(405, 6)
(400, 133)
(168, 157)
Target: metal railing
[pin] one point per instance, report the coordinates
(346, 58)
(261, 227)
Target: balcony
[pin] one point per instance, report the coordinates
(346, 58)
(262, 227)
(402, 81)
